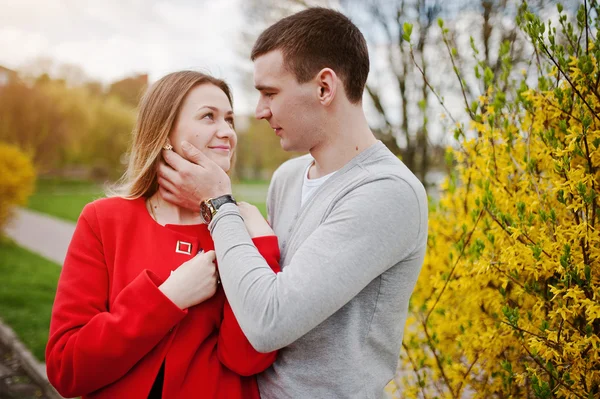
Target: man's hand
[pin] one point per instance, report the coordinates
(188, 181)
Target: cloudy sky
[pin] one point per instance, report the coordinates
(112, 39)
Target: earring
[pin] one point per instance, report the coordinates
(167, 147)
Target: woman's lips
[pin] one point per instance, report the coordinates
(220, 148)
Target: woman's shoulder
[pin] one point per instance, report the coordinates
(113, 208)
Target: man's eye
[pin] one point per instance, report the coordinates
(269, 95)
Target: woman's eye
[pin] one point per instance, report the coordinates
(208, 116)
(230, 121)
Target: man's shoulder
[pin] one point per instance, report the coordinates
(386, 169)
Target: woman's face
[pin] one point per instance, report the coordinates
(206, 121)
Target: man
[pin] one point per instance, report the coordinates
(350, 217)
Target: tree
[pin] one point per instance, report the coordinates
(258, 151)
(61, 126)
(129, 90)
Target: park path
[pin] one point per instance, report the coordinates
(45, 235)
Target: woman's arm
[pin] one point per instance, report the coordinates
(92, 345)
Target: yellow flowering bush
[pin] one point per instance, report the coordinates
(508, 301)
(17, 177)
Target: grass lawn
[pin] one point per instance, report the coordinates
(26, 294)
(65, 199)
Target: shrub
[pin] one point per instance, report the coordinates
(508, 302)
(17, 178)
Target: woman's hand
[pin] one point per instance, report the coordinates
(193, 282)
(256, 224)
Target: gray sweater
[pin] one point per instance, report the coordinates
(350, 258)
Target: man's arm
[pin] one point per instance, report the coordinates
(370, 230)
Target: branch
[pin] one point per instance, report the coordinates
(415, 369)
(437, 359)
(460, 81)
(378, 106)
(550, 373)
(440, 100)
(569, 80)
(466, 374)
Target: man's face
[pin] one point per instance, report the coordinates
(292, 109)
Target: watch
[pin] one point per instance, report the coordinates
(209, 207)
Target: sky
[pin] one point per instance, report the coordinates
(113, 39)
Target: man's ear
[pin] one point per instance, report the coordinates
(327, 83)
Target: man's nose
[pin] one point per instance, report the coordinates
(262, 111)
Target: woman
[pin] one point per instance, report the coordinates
(137, 314)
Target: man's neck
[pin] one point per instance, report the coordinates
(345, 140)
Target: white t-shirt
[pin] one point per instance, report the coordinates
(310, 185)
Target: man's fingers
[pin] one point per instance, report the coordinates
(173, 159)
(193, 154)
(167, 172)
(170, 187)
(168, 196)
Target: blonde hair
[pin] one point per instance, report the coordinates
(158, 111)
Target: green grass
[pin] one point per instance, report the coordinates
(26, 294)
(252, 192)
(65, 199)
(252, 182)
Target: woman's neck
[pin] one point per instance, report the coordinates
(165, 212)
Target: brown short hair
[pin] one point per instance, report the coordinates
(319, 38)
(157, 114)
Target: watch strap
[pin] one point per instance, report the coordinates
(222, 200)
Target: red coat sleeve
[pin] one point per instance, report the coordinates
(90, 345)
(234, 349)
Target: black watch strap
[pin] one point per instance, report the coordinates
(222, 200)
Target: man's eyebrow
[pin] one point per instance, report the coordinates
(264, 88)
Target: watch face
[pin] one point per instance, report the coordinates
(205, 212)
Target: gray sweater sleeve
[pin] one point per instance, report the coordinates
(369, 230)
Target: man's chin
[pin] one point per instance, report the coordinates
(286, 145)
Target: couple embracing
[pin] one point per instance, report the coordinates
(173, 289)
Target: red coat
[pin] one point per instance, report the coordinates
(112, 328)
